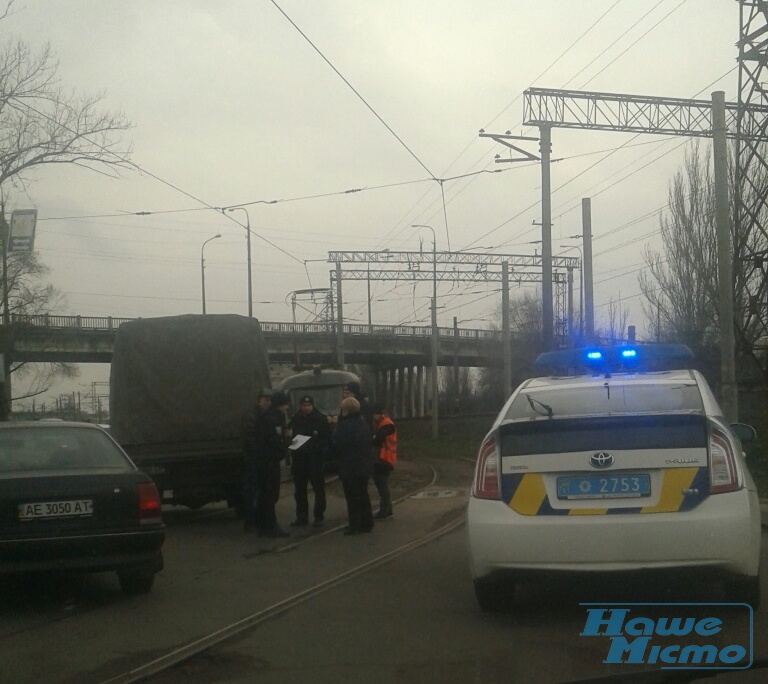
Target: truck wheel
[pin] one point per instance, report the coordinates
(135, 582)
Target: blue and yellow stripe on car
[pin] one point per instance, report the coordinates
(681, 489)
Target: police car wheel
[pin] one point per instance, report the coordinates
(493, 595)
(744, 590)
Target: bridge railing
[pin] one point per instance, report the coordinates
(70, 322)
(109, 323)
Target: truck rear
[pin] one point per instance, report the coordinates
(181, 388)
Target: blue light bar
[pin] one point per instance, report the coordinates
(637, 357)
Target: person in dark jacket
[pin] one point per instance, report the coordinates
(385, 446)
(252, 443)
(271, 450)
(352, 389)
(352, 447)
(307, 460)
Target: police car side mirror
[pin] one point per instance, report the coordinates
(745, 433)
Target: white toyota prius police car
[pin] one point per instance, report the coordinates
(610, 471)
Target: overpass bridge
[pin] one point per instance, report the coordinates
(89, 339)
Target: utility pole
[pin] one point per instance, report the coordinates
(729, 398)
(545, 148)
(589, 299)
(506, 337)
(339, 320)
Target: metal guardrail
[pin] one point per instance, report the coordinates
(108, 323)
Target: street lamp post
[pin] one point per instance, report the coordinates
(434, 328)
(248, 241)
(202, 264)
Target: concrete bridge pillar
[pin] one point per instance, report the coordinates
(401, 405)
(430, 402)
(420, 391)
(380, 386)
(411, 392)
(392, 393)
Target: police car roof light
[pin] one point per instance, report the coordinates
(617, 357)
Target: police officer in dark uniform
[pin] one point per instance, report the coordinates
(307, 460)
(252, 443)
(271, 451)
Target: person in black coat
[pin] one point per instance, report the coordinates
(270, 451)
(307, 460)
(352, 389)
(352, 447)
(252, 442)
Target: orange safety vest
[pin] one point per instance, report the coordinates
(388, 450)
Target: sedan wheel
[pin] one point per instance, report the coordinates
(135, 582)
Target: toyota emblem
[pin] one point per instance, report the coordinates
(602, 459)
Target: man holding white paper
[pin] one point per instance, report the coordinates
(308, 449)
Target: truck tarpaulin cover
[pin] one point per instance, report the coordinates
(185, 378)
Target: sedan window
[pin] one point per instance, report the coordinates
(61, 448)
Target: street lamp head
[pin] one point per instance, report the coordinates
(218, 235)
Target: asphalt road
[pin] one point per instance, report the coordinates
(412, 618)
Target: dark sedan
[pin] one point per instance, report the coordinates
(70, 499)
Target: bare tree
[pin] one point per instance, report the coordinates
(680, 285)
(525, 323)
(41, 124)
(615, 329)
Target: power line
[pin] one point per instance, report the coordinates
(664, 18)
(352, 88)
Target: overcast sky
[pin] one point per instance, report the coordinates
(232, 104)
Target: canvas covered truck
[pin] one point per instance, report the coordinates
(181, 388)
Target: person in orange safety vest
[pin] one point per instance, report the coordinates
(385, 442)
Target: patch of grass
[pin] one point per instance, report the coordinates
(458, 437)
(753, 410)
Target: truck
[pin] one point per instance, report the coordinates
(181, 390)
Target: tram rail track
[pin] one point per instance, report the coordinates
(162, 664)
(144, 661)
(200, 646)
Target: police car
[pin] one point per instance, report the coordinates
(622, 467)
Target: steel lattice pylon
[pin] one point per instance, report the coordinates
(751, 202)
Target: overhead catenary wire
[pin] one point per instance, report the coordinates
(353, 89)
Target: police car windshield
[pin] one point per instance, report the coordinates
(608, 399)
